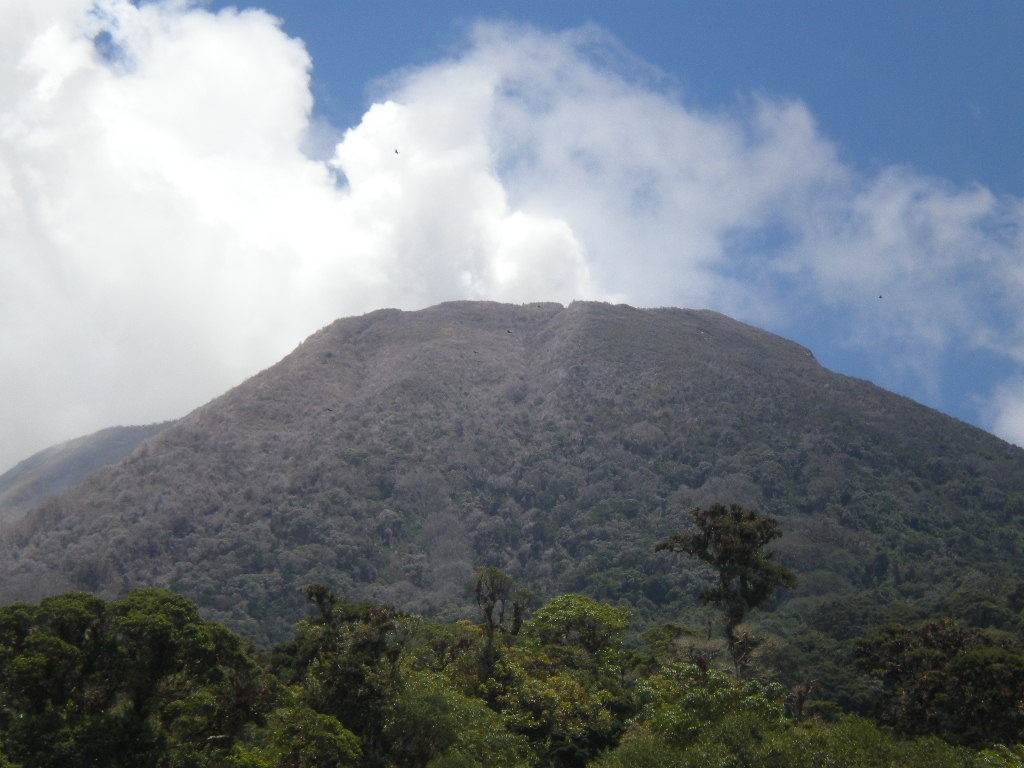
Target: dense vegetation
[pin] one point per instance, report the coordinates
(144, 681)
(392, 454)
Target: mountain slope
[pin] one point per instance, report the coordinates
(64, 466)
(392, 453)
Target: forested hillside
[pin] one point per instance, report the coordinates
(392, 454)
(64, 466)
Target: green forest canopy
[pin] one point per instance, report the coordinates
(145, 681)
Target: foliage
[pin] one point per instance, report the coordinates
(552, 706)
(578, 621)
(697, 716)
(345, 663)
(1001, 756)
(682, 699)
(145, 681)
(946, 679)
(749, 734)
(855, 742)
(563, 685)
(497, 596)
(732, 540)
(298, 737)
(432, 724)
(84, 682)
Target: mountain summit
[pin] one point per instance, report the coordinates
(391, 454)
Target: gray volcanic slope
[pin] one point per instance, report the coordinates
(391, 454)
(64, 466)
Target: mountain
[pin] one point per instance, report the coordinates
(64, 466)
(391, 454)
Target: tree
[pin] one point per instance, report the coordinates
(432, 723)
(686, 715)
(495, 594)
(732, 540)
(948, 680)
(575, 620)
(299, 737)
(345, 661)
(567, 708)
(564, 684)
(325, 600)
(84, 682)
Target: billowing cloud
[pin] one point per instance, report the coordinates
(166, 231)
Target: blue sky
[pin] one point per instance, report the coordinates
(938, 85)
(187, 190)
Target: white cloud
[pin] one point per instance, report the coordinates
(143, 208)
(163, 233)
(419, 183)
(749, 211)
(1006, 411)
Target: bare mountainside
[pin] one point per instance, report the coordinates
(391, 454)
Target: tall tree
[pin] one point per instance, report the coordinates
(345, 660)
(496, 596)
(733, 541)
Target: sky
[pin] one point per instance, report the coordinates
(190, 189)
